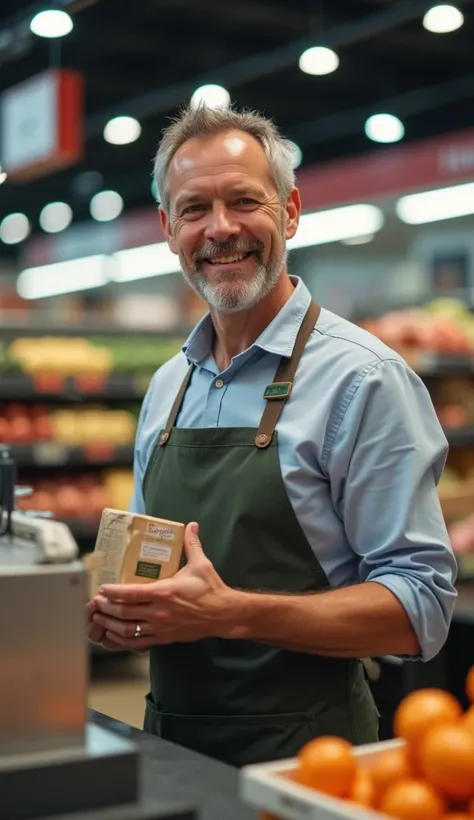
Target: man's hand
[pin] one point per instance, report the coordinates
(192, 605)
(96, 633)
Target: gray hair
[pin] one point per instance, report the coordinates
(203, 121)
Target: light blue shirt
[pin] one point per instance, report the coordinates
(360, 447)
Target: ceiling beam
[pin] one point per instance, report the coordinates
(260, 65)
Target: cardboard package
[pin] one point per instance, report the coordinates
(135, 549)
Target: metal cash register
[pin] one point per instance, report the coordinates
(53, 763)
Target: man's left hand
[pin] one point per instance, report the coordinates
(192, 605)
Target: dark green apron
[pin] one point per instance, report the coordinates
(236, 700)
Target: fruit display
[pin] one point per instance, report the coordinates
(443, 326)
(72, 427)
(427, 774)
(83, 497)
(98, 356)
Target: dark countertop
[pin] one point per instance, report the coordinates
(182, 776)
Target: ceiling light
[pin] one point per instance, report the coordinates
(55, 217)
(64, 277)
(318, 60)
(297, 155)
(122, 130)
(336, 224)
(384, 128)
(436, 205)
(14, 228)
(143, 262)
(359, 240)
(443, 19)
(214, 96)
(51, 23)
(106, 205)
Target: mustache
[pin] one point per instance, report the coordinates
(227, 249)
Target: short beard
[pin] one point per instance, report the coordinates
(224, 298)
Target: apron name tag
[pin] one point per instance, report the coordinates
(277, 390)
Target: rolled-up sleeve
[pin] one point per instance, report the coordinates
(386, 458)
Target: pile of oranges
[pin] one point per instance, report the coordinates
(429, 776)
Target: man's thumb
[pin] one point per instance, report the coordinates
(192, 543)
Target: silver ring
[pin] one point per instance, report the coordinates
(138, 631)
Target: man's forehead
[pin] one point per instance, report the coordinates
(220, 153)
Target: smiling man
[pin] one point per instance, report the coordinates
(304, 456)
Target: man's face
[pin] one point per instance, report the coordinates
(226, 222)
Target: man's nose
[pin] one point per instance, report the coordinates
(221, 225)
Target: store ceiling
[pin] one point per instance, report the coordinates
(145, 57)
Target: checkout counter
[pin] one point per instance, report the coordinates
(59, 761)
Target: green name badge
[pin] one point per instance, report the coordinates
(277, 390)
(147, 570)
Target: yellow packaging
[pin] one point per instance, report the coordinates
(136, 549)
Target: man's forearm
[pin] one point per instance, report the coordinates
(353, 622)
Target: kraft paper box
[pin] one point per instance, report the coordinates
(135, 549)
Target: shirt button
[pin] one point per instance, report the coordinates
(219, 383)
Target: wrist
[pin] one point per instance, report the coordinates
(243, 614)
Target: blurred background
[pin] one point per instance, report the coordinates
(377, 97)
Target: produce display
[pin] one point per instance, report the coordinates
(443, 326)
(98, 356)
(31, 423)
(83, 497)
(428, 776)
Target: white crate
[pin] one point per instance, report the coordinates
(262, 787)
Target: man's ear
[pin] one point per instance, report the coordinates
(293, 211)
(166, 226)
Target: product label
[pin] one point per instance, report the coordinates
(157, 551)
(146, 570)
(159, 531)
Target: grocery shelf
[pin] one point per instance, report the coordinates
(52, 454)
(428, 364)
(32, 329)
(126, 387)
(462, 437)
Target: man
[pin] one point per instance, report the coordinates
(304, 453)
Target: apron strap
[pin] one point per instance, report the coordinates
(176, 407)
(277, 393)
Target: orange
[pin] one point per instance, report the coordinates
(470, 685)
(421, 711)
(446, 758)
(362, 791)
(468, 720)
(457, 815)
(327, 764)
(388, 768)
(412, 800)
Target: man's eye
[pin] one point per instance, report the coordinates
(192, 209)
(246, 200)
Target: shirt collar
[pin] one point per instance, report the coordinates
(279, 337)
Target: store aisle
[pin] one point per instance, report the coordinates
(118, 686)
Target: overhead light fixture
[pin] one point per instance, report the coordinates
(443, 18)
(64, 277)
(52, 23)
(336, 224)
(14, 228)
(122, 130)
(214, 96)
(55, 217)
(436, 205)
(297, 155)
(105, 206)
(318, 60)
(359, 240)
(144, 262)
(384, 128)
